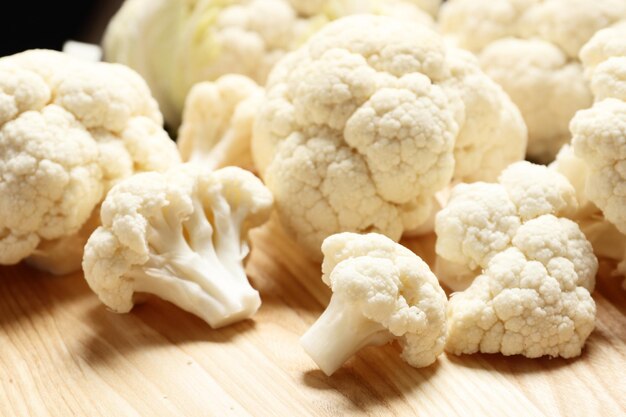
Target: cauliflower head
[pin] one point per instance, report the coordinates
(69, 130)
(547, 87)
(531, 48)
(362, 125)
(483, 219)
(218, 120)
(182, 236)
(175, 44)
(532, 299)
(381, 292)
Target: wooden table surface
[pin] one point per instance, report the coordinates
(63, 354)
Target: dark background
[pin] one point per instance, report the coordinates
(48, 24)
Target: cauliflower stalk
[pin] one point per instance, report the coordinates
(175, 44)
(182, 236)
(362, 125)
(69, 130)
(527, 274)
(381, 292)
(531, 49)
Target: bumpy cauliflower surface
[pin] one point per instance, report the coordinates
(531, 49)
(569, 24)
(381, 292)
(364, 124)
(547, 87)
(69, 130)
(599, 133)
(218, 120)
(174, 44)
(527, 274)
(533, 299)
(483, 219)
(182, 236)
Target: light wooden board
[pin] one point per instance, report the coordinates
(62, 354)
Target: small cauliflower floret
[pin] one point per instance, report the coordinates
(69, 130)
(381, 292)
(217, 122)
(175, 44)
(482, 220)
(546, 87)
(182, 236)
(363, 125)
(533, 299)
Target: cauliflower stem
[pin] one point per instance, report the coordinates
(188, 261)
(339, 333)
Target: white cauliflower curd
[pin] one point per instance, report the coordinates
(182, 236)
(69, 130)
(381, 292)
(363, 124)
(174, 44)
(525, 273)
(531, 49)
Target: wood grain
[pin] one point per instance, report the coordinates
(63, 354)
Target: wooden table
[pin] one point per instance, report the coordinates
(63, 354)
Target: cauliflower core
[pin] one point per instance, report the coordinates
(175, 44)
(362, 125)
(180, 235)
(69, 130)
(381, 292)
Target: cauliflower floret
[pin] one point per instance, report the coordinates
(180, 235)
(218, 120)
(482, 220)
(358, 128)
(530, 47)
(474, 24)
(69, 130)
(533, 299)
(569, 24)
(381, 292)
(175, 44)
(546, 86)
(606, 43)
(607, 241)
(599, 139)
